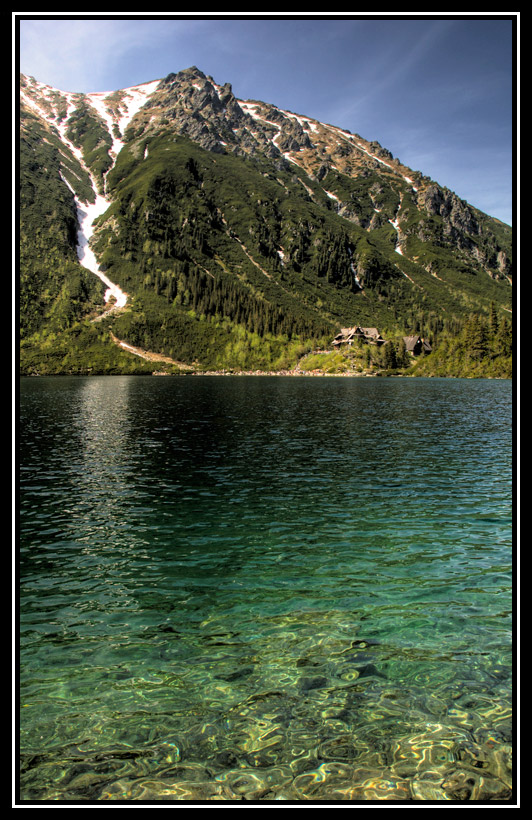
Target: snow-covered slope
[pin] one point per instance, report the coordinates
(116, 111)
(118, 115)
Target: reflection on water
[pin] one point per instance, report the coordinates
(265, 589)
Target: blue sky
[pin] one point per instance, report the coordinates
(437, 92)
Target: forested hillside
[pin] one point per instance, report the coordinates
(243, 236)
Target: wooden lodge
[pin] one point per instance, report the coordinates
(373, 336)
(416, 345)
(348, 335)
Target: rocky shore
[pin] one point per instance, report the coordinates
(267, 373)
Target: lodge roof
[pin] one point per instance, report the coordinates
(347, 334)
(411, 342)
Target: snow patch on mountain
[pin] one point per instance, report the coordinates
(87, 212)
(133, 99)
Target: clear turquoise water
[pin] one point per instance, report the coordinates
(265, 588)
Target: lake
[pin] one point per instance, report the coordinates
(265, 588)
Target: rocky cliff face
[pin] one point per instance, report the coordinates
(191, 104)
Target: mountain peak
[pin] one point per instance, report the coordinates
(244, 210)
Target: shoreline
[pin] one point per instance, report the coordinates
(286, 374)
(381, 374)
(311, 373)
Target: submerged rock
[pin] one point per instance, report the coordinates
(308, 683)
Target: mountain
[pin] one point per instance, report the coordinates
(225, 233)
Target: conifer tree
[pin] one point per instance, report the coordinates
(402, 354)
(390, 357)
(475, 338)
(504, 338)
(494, 320)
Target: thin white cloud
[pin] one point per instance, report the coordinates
(79, 54)
(388, 72)
(67, 52)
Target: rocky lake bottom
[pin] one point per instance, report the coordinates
(265, 590)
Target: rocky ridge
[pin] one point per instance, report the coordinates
(191, 104)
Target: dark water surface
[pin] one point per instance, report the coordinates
(265, 588)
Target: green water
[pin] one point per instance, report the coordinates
(265, 588)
